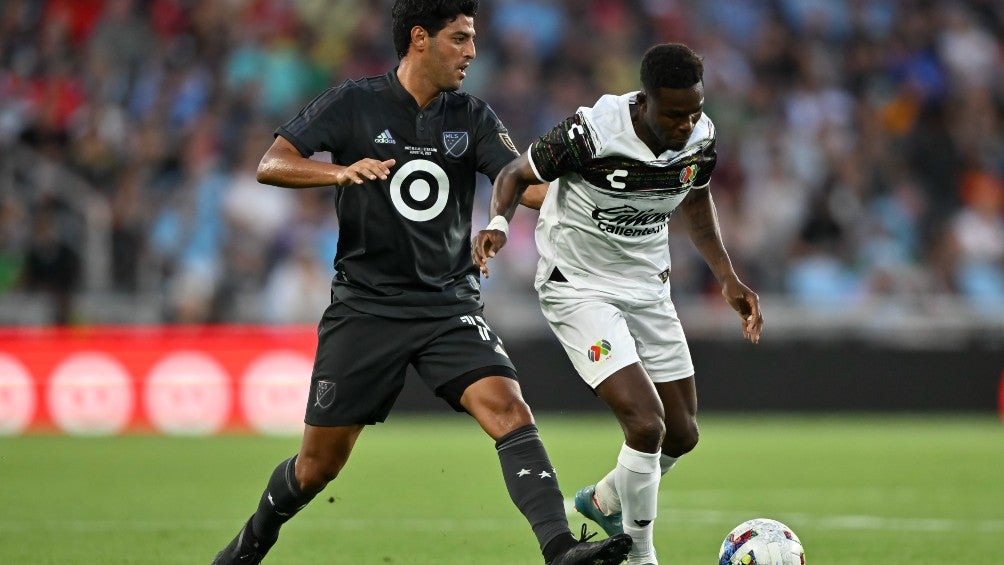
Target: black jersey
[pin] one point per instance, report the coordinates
(404, 242)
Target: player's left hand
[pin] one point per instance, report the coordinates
(747, 304)
(485, 245)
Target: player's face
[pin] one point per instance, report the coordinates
(452, 52)
(670, 115)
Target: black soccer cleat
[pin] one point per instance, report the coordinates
(610, 551)
(244, 549)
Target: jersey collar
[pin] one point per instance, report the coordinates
(405, 97)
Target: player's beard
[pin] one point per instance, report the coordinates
(454, 81)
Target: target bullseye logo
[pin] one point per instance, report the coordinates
(274, 391)
(188, 393)
(414, 184)
(17, 396)
(91, 393)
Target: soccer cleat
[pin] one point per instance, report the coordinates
(610, 551)
(585, 504)
(243, 549)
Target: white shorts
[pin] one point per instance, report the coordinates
(602, 334)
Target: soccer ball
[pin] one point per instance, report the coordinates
(761, 541)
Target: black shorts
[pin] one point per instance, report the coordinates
(359, 369)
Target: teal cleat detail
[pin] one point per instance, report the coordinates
(586, 506)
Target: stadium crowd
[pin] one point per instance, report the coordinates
(860, 142)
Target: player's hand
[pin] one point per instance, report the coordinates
(485, 245)
(364, 170)
(747, 304)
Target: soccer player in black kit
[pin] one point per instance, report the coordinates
(405, 148)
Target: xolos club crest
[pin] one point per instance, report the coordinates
(688, 174)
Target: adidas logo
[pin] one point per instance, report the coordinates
(384, 137)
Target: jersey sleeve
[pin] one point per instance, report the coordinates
(494, 149)
(567, 147)
(323, 124)
(707, 158)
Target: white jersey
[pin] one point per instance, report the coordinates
(603, 221)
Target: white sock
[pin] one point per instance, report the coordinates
(636, 479)
(642, 559)
(607, 498)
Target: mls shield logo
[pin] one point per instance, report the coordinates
(325, 394)
(455, 142)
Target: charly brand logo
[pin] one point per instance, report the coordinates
(455, 142)
(630, 221)
(618, 174)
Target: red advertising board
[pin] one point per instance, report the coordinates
(172, 380)
(1000, 397)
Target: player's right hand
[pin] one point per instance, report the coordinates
(485, 245)
(364, 170)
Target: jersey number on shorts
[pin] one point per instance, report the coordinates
(481, 324)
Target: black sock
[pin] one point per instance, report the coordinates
(280, 501)
(533, 487)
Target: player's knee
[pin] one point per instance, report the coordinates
(496, 403)
(681, 440)
(314, 474)
(645, 433)
(506, 415)
(518, 412)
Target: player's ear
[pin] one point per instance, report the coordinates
(642, 100)
(419, 37)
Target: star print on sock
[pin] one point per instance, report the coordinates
(523, 472)
(544, 474)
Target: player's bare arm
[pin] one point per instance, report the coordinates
(510, 185)
(702, 225)
(283, 165)
(533, 196)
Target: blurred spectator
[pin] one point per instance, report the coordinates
(13, 242)
(52, 263)
(844, 128)
(298, 288)
(977, 231)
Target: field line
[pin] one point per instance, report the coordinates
(840, 522)
(667, 517)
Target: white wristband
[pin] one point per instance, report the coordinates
(499, 223)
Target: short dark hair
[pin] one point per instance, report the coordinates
(432, 15)
(670, 65)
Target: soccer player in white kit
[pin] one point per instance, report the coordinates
(617, 172)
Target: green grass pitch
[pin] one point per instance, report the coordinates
(426, 490)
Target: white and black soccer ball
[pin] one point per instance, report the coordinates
(761, 541)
